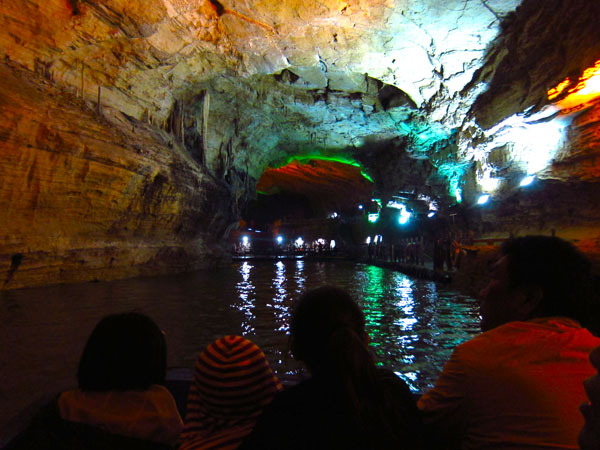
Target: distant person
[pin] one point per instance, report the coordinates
(519, 383)
(589, 438)
(233, 383)
(347, 403)
(120, 403)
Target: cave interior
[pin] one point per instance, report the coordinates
(142, 137)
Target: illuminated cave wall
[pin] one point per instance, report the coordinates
(134, 133)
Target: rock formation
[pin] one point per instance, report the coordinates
(134, 132)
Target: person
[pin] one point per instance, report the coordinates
(517, 384)
(347, 403)
(233, 383)
(589, 437)
(121, 402)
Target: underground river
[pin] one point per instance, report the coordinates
(413, 324)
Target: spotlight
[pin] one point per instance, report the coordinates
(299, 242)
(374, 217)
(279, 239)
(483, 199)
(360, 206)
(527, 180)
(245, 240)
(431, 214)
(404, 215)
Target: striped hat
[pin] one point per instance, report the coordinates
(233, 383)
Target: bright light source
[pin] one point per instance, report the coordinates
(279, 239)
(404, 215)
(586, 90)
(369, 240)
(245, 240)
(374, 217)
(483, 199)
(360, 206)
(533, 140)
(488, 183)
(333, 215)
(332, 244)
(431, 214)
(458, 195)
(299, 242)
(321, 241)
(395, 205)
(527, 180)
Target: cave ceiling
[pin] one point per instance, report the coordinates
(447, 99)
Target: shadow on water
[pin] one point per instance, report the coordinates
(413, 324)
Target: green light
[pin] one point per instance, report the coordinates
(305, 158)
(364, 174)
(378, 201)
(339, 158)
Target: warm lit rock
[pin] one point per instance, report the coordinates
(81, 200)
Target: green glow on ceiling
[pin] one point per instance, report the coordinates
(454, 172)
(364, 174)
(338, 158)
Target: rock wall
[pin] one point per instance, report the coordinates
(90, 194)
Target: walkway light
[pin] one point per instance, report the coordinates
(279, 239)
(404, 215)
(360, 206)
(373, 217)
(245, 240)
(431, 214)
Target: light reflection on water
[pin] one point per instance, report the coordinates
(413, 324)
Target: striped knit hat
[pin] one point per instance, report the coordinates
(233, 383)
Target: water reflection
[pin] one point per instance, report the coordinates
(246, 293)
(413, 324)
(279, 298)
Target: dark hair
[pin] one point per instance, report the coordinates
(124, 352)
(327, 333)
(561, 271)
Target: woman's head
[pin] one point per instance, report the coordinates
(124, 352)
(324, 320)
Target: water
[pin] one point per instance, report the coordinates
(413, 324)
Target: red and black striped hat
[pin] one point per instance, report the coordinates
(233, 383)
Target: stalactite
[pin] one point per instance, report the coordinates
(205, 117)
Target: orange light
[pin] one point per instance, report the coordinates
(586, 90)
(555, 92)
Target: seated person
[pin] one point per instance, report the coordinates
(518, 383)
(233, 383)
(347, 403)
(589, 438)
(120, 403)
